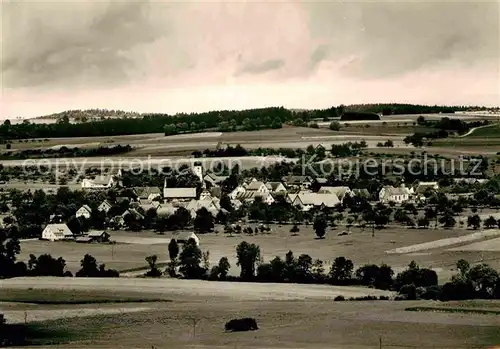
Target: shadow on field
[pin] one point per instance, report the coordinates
(34, 334)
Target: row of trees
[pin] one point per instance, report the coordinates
(65, 152)
(479, 281)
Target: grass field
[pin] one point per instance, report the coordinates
(492, 131)
(289, 324)
(359, 246)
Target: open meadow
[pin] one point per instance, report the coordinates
(131, 248)
(288, 316)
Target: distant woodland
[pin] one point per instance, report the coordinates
(99, 122)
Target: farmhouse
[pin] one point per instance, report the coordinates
(94, 236)
(394, 194)
(212, 206)
(147, 193)
(105, 206)
(362, 193)
(306, 201)
(214, 179)
(297, 181)
(237, 191)
(276, 187)
(134, 213)
(250, 197)
(257, 187)
(99, 182)
(419, 189)
(184, 236)
(165, 210)
(53, 232)
(341, 192)
(84, 211)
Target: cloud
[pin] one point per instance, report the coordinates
(266, 66)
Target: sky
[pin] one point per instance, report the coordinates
(193, 56)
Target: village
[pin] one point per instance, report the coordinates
(304, 196)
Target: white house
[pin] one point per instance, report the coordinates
(306, 201)
(84, 211)
(105, 206)
(178, 193)
(184, 236)
(147, 193)
(392, 194)
(257, 187)
(250, 196)
(53, 232)
(206, 195)
(165, 210)
(237, 191)
(341, 192)
(99, 182)
(212, 206)
(276, 187)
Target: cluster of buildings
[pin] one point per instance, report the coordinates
(295, 190)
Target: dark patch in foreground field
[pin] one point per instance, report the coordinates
(455, 310)
(43, 333)
(73, 297)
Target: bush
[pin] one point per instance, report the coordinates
(339, 299)
(383, 298)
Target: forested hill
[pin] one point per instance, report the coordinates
(100, 122)
(397, 108)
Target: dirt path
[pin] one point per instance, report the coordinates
(472, 130)
(445, 242)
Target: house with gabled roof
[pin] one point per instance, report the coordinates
(257, 187)
(178, 193)
(237, 191)
(147, 193)
(54, 232)
(214, 179)
(212, 206)
(341, 191)
(251, 196)
(276, 187)
(394, 194)
(306, 201)
(297, 181)
(420, 188)
(84, 211)
(105, 206)
(100, 182)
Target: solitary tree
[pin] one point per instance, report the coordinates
(190, 259)
(320, 226)
(248, 255)
(474, 221)
(341, 270)
(153, 269)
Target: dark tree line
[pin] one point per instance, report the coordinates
(65, 152)
(398, 108)
(415, 282)
(114, 123)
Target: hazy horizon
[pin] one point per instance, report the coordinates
(169, 57)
